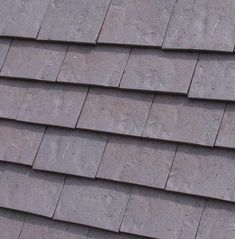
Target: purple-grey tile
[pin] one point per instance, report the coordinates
(203, 171)
(34, 60)
(52, 104)
(156, 70)
(158, 214)
(70, 151)
(136, 22)
(115, 111)
(203, 25)
(93, 203)
(19, 142)
(101, 65)
(4, 46)
(73, 20)
(177, 118)
(137, 161)
(26, 190)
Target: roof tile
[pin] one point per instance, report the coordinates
(4, 46)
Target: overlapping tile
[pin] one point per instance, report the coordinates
(98, 204)
(101, 65)
(71, 151)
(4, 46)
(73, 20)
(156, 70)
(34, 60)
(203, 25)
(137, 161)
(177, 118)
(136, 23)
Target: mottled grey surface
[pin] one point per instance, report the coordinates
(19, 142)
(101, 65)
(4, 46)
(71, 152)
(156, 70)
(203, 171)
(94, 203)
(177, 118)
(162, 215)
(137, 161)
(202, 24)
(34, 60)
(73, 20)
(136, 22)
(115, 111)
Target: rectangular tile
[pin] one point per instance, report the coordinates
(100, 65)
(137, 161)
(177, 118)
(115, 111)
(4, 46)
(94, 203)
(34, 60)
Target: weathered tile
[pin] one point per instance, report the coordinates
(40, 227)
(177, 118)
(115, 111)
(4, 46)
(217, 221)
(158, 214)
(70, 151)
(73, 20)
(204, 25)
(136, 22)
(19, 142)
(156, 70)
(203, 171)
(137, 161)
(94, 203)
(26, 190)
(52, 104)
(34, 60)
(101, 65)
(21, 18)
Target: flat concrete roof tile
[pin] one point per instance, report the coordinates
(4, 46)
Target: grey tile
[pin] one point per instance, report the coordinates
(73, 20)
(158, 214)
(34, 60)
(136, 22)
(217, 221)
(156, 70)
(19, 142)
(115, 111)
(203, 171)
(26, 190)
(137, 161)
(101, 65)
(204, 25)
(41, 227)
(94, 203)
(70, 151)
(177, 118)
(4, 46)
(21, 18)
(52, 104)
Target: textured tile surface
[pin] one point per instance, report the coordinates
(52, 104)
(71, 152)
(4, 46)
(100, 204)
(202, 24)
(173, 118)
(151, 69)
(203, 171)
(34, 60)
(102, 65)
(73, 20)
(115, 111)
(26, 190)
(136, 22)
(158, 214)
(137, 161)
(19, 142)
